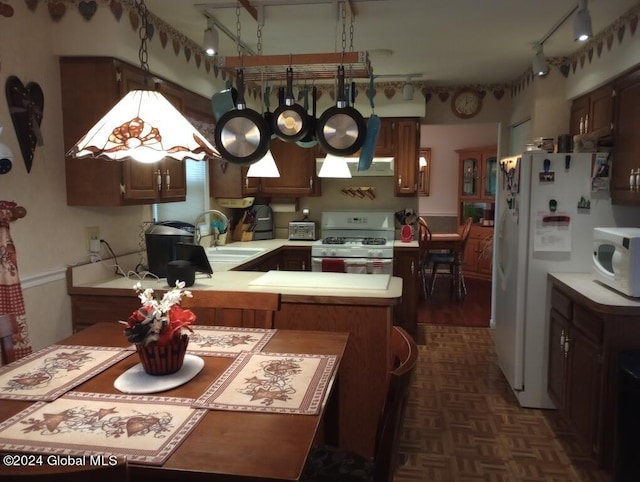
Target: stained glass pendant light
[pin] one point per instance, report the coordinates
(144, 125)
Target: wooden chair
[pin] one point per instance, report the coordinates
(453, 261)
(233, 308)
(327, 463)
(424, 264)
(118, 472)
(7, 354)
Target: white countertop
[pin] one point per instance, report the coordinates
(102, 276)
(596, 292)
(242, 281)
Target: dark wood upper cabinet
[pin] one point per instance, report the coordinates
(626, 142)
(91, 86)
(592, 113)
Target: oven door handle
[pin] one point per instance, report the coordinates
(379, 260)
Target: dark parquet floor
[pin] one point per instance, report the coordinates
(463, 423)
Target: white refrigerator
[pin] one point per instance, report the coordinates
(543, 224)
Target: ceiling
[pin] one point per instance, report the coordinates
(443, 42)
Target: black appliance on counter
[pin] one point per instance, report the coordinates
(161, 240)
(262, 221)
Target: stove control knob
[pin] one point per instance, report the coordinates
(333, 252)
(375, 252)
(324, 252)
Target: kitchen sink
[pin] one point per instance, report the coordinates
(228, 254)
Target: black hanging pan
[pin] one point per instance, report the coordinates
(290, 120)
(341, 130)
(242, 135)
(310, 139)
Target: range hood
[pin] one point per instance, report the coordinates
(380, 166)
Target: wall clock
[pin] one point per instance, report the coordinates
(466, 103)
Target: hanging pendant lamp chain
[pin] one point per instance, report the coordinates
(263, 92)
(343, 16)
(259, 46)
(351, 29)
(143, 33)
(238, 32)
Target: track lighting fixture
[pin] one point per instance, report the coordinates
(582, 23)
(210, 41)
(539, 64)
(407, 90)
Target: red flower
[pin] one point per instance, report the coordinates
(178, 319)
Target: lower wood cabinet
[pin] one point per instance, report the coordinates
(478, 254)
(585, 339)
(295, 258)
(405, 266)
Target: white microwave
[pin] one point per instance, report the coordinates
(616, 259)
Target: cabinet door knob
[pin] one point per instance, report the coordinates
(167, 179)
(159, 179)
(399, 181)
(586, 123)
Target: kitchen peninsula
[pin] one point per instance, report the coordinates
(97, 295)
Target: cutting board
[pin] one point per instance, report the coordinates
(337, 281)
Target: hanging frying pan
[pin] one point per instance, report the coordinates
(242, 135)
(224, 101)
(341, 129)
(268, 115)
(310, 139)
(373, 129)
(290, 121)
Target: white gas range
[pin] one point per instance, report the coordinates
(355, 242)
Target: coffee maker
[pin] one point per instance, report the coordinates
(161, 240)
(263, 221)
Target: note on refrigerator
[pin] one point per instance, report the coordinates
(552, 232)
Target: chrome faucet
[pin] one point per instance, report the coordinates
(216, 232)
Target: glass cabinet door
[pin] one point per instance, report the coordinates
(490, 180)
(469, 174)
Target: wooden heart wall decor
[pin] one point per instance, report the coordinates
(26, 104)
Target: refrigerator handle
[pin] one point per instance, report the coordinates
(500, 255)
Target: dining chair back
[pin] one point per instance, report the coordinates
(424, 263)
(328, 463)
(107, 472)
(7, 354)
(454, 262)
(233, 308)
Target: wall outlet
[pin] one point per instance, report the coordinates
(92, 236)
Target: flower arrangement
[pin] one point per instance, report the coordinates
(159, 322)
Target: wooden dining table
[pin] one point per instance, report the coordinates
(225, 445)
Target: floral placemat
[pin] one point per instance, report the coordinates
(227, 341)
(144, 429)
(271, 382)
(52, 371)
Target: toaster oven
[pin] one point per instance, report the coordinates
(302, 231)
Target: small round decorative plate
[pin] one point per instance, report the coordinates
(136, 380)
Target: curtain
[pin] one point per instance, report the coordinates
(11, 299)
